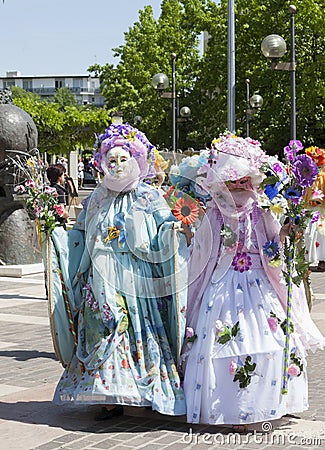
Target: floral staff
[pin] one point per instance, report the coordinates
(301, 174)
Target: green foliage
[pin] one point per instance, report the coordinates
(62, 127)
(228, 333)
(244, 373)
(202, 81)
(64, 97)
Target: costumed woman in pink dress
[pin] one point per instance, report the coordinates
(234, 352)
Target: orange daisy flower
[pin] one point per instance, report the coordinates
(186, 210)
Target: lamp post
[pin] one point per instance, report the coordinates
(160, 82)
(183, 116)
(274, 47)
(255, 101)
(116, 117)
(231, 114)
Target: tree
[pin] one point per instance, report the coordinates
(62, 129)
(64, 97)
(202, 81)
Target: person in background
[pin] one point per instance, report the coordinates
(315, 200)
(56, 176)
(81, 173)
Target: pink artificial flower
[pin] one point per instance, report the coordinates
(317, 194)
(50, 190)
(189, 332)
(19, 189)
(293, 370)
(30, 183)
(233, 367)
(273, 323)
(37, 211)
(59, 209)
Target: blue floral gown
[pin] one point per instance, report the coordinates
(118, 267)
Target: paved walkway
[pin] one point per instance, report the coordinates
(29, 372)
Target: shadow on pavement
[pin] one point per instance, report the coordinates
(24, 355)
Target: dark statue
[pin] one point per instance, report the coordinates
(18, 142)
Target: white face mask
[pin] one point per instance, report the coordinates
(120, 169)
(116, 159)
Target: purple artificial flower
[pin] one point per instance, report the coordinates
(277, 168)
(305, 170)
(242, 262)
(292, 149)
(315, 217)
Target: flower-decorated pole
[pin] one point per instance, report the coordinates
(290, 268)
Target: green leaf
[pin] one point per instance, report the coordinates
(123, 325)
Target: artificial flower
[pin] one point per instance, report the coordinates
(19, 189)
(305, 170)
(317, 194)
(315, 217)
(292, 149)
(189, 332)
(275, 262)
(59, 209)
(219, 326)
(273, 323)
(271, 248)
(317, 154)
(242, 262)
(294, 370)
(233, 367)
(186, 210)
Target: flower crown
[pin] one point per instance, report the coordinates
(131, 140)
(247, 148)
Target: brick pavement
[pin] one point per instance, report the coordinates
(29, 372)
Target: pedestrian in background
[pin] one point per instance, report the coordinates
(56, 176)
(81, 173)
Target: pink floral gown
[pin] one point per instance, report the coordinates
(234, 368)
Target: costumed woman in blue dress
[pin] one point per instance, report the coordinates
(119, 288)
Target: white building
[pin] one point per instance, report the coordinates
(85, 88)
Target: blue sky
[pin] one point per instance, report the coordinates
(64, 37)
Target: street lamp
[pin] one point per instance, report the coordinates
(137, 120)
(255, 101)
(116, 117)
(274, 47)
(160, 82)
(183, 116)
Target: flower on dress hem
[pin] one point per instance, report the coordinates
(273, 323)
(242, 262)
(294, 370)
(220, 327)
(233, 367)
